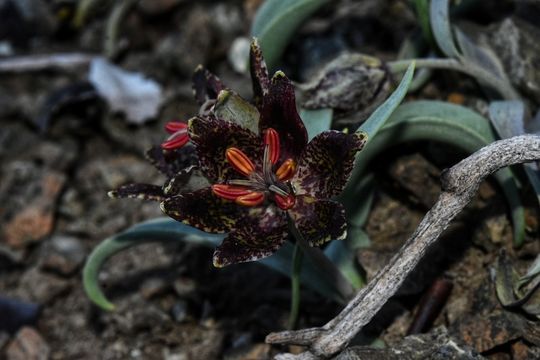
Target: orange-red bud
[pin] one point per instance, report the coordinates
(271, 138)
(229, 192)
(252, 199)
(239, 161)
(286, 170)
(285, 202)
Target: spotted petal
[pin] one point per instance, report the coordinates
(206, 85)
(257, 235)
(259, 73)
(203, 210)
(326, 163)
(170, 162)
(279, 112)
(319, 221)
(212, 137)
(138, 191)
(187, 180)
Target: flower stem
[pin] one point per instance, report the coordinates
(482, 75)
(326, 267)
(295, 286)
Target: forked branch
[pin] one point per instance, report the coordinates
(459, 185)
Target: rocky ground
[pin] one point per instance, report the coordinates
(60, 152)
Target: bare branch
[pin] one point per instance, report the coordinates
(19, 64)
(459, 185)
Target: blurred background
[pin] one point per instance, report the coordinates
(86, 87)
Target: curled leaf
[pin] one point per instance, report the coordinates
(349, 83)
(127, 92)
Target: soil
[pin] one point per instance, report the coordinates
(58, 159)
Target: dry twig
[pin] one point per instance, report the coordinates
(20, 64)
(459, 185)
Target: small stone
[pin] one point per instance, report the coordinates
(252, 352)
(28, 226)
(238, 55)
(153, 287)
(64, 255)
(179, 311)
(29, 195)
(27, 345)
(173, 355)
(184, 286)
(16, 314)
(40, 287)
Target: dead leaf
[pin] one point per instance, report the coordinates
(127, 92)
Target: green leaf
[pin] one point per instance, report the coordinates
(165, 230)
(505, 278)
(482, 57)
(508, 119)
(422, 12)
(440, 27)
(372, 125)
(447, 123)
(276, 22)
(343, 255)
(316, 121)
(157, 230)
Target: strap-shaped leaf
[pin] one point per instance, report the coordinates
(508, 119)
(376, 121)
(165, 230)
(440, 26)
(316, 121)
(276, 21)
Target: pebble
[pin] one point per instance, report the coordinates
(28, 344)
(64, 255)
(179, 311)
(40, 287)
(184, 286)
(16, 314)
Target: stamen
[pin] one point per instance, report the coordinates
(267, 165)
(176, 140)
(229, 192)
(173, 126)
(239, 161)
(285, 202)
(271, 139)
(286, 170)
(277, 190)
(252, 199)
(247, 183)
(207, 107)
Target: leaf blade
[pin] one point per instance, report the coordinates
(376, 121)
(441, 29)
(276, 21)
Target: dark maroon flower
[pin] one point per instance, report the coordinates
(261, 168)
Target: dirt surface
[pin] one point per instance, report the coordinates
(59, 158)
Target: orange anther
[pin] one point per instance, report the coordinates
(284, 202)
(271, 138)
(239, 161)
(229, 192)
(286, 170)
(173, 126)
(252, 199)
